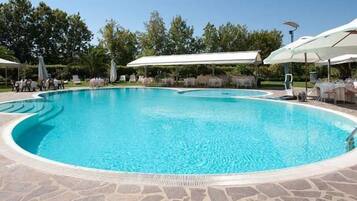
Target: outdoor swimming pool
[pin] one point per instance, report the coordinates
(163, 131)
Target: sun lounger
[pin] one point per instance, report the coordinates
(76, 79)
(132, 78)
(122, 78)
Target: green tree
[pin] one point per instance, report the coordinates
(232, 37)
(32, 31)
(180, 37)
(7, 54)
(16, 29)
(78, 37)
(120, 43)
(154, 40)
(210, 38)
(265, 41)
(95, 61)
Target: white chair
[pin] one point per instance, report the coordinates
(141, 79)
(122, 78)
(132, 78)
(76, 79)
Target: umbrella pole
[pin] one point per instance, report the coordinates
(146, 71)
(305, 55)
(328, 70)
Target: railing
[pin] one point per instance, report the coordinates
(350, 142)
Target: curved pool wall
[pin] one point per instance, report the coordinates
(20, 130)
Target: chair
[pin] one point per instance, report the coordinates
(122, 78)
(141, 79)
(76, 79)
(132, 78)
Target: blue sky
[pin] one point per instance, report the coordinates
(314, 16)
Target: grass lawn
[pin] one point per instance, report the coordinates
(280, 85)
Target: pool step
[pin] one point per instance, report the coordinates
(53, 112)
(26, 109)
(6, 106)
(16, 108)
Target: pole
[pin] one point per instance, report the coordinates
(5, 76)
(291, 64)
(350, 69)
(146, 71)
(328, 70)
(306, 70)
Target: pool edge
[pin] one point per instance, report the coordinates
(15, 152)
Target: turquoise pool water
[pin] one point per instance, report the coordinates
(163, 131)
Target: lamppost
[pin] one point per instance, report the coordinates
(294, 27)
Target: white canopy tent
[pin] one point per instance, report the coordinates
(5, 63)
(244, 57)
(221, 58)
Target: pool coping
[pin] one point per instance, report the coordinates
(15, 152)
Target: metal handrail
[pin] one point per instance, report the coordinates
(350, 142)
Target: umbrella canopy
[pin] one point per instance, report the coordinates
(346, 58)
(42, 71)
(113, 71)
(286, 54)
(332, 43)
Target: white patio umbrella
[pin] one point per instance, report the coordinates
(286, 55)
(42, 71)
(346, 58)
(332, 43)
(113, 71)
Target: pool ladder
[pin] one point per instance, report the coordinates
(350, 140)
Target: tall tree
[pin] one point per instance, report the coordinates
(154, 40)
(120, 43)
(210, 38)
(78, 37)
(266, 41)
(232, 37)
(32, 31)
(180, 37)
(16, 29)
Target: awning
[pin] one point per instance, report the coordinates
(6, 63)
(244, 57)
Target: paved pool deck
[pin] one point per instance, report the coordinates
(21, 182)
